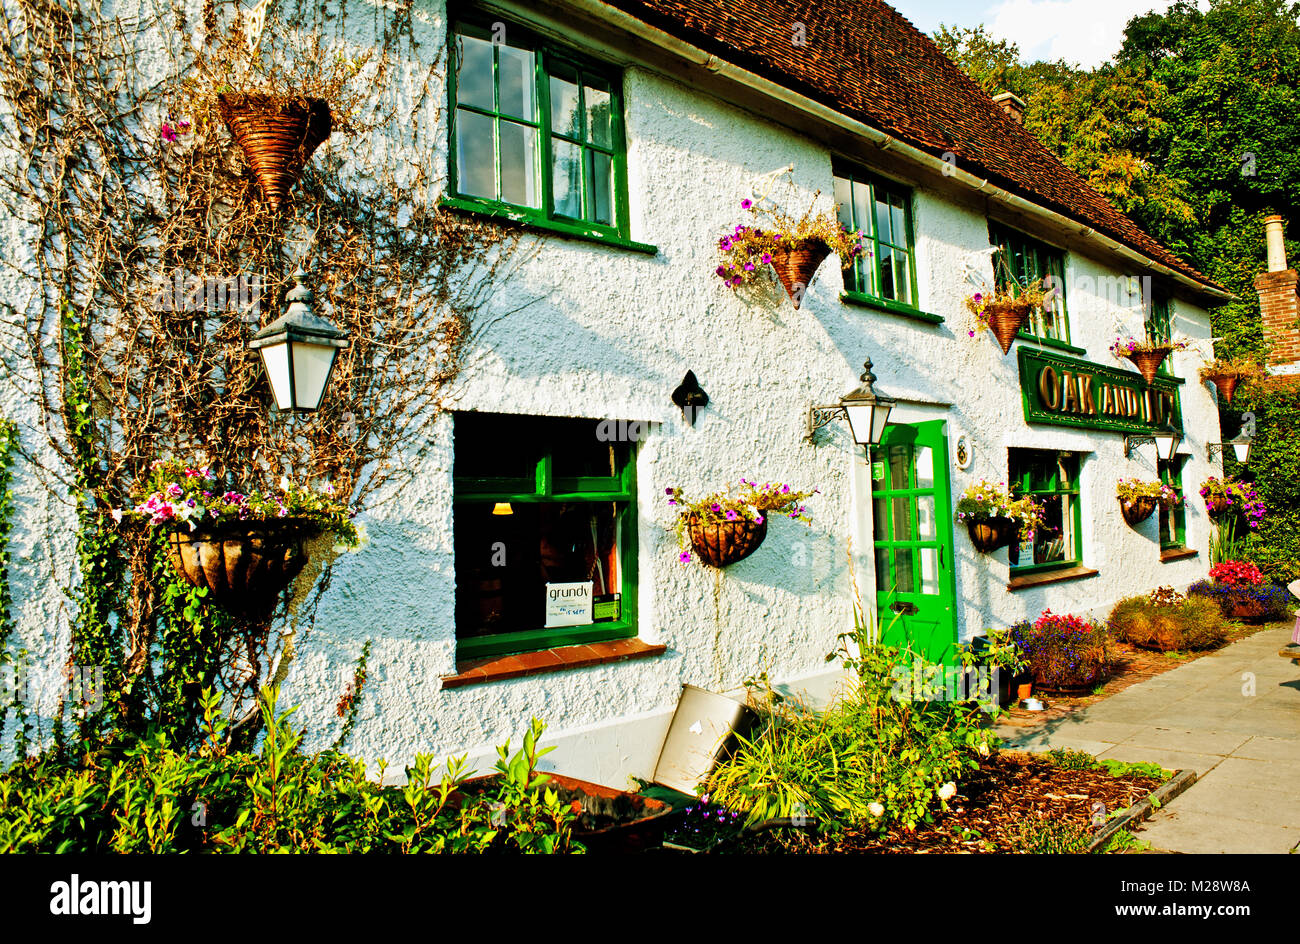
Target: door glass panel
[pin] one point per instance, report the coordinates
(880, 516)
(926, 529)
(929, 570)
(515, 72)
(905, 581)
(925, 467)
(882, 569)
(475, 160)
(898, 463)
(902, 518)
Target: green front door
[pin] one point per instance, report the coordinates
(912, 506)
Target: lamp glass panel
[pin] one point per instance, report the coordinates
(879, 420)
(860, 423)
(311, 371)
(276, 359)
(1242, 450)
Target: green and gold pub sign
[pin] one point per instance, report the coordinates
(1065, 391)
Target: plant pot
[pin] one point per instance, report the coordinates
(1148, 361)
(1242, 608)
(277, 138)
(725, 542)
(1006, 317)
(245, 564)
(1024, 690)
(1225, 384)
(1138, 509)
(989, 534)
(796, 266)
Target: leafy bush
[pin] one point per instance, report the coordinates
(1194, 623)
(1065, 651)
(155, 799)
(1051, 837)
(1263, 604)
(877, 757)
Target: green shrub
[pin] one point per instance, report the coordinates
(1050, 837)
(877, 757)
(1184, 623)
(155, 799)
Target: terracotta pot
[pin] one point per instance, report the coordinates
(1242, 608)
(989, 534)
(1139, 509)
(1148, 362)
(244, 565)
(1006, 318)
(725, 542)
(1225, 384)
(796, 266)
(1024, 690)
(277, 140)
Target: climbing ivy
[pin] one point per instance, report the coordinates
(8, 446)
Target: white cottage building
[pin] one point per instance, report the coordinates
(627, 133)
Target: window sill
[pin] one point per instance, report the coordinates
(529, 220)
(1051, 342)
(498, 668)
(891, 308)
(1050, 576)
(1177, 553)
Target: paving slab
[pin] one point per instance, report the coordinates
(1174, 830)
(1181, 739)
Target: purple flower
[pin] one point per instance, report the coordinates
(746, 204)
(767, 258)
(749, 267)
(716, 507)
(168, 133)
(731, 514)
(684, 556)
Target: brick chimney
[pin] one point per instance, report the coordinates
(1012, 104)
(1279, 304)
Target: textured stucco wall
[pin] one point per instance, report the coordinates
(609, 333)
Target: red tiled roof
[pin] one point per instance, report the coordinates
(867, 61)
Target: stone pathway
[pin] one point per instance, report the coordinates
(1233, 717)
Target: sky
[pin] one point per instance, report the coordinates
(1086, 32)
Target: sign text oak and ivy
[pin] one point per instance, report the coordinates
(1068, 392)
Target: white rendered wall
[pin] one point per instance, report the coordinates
(609, 333)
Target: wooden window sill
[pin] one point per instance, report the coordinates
(532, 219)
(1178, 553)
(497, 668)
(1050, 576)
(890, 307)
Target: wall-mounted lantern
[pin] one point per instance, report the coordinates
(690, 397)
(299, 350)
(866, 409)
(1167, 439)
(1240, 444)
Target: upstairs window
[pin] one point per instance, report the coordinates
(1052, 478)
(882, 210)
(537, 129)
(544, 533)
(1031, 261)
(1159, 318)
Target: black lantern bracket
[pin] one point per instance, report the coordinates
(820, 416)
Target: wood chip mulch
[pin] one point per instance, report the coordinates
(989, 810)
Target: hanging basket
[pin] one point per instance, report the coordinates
(244, 564)
(989, 534)
(1225, 384)
(1137, 510)
(1006, 317)
(1148, 361)
(725, 542)
(796, 266)
(277, 138)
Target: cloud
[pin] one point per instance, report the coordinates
(1087, 32)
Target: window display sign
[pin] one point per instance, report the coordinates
(1065, 391)
(569, 604)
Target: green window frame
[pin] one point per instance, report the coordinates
(882, 210)
(536, 132)
(1030, 261)
(535, 474)
(1158, 319)
(1051, 478)
(1173, 518)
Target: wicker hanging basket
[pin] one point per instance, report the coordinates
(1148, 361)
(277, 138)
(1006, 317)
(989, 534)
(244, 564)
(1137, 510)
(1225, 384)
(796, 266)
(725, 542)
